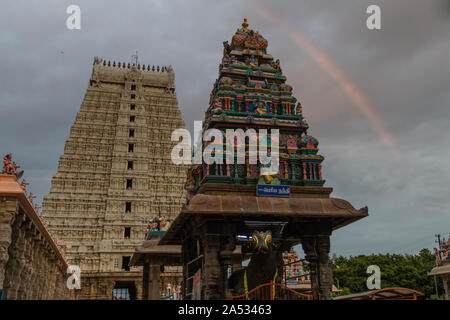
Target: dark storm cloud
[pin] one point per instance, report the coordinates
(402, 70)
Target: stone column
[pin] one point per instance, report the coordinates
(446, 280)
(8, 209)
(109, 286)
(311, 255)
(227, 246)
(25, 276)
(225, 263)
(145, 281)
(138, 289)
(316, 248)
(211, 273)
(153, 282)
(184, 260)
(16, 261)
(325, 270)
(37, 268)
(60, 286)
(52, 279)
(43, 272)
(47, 273)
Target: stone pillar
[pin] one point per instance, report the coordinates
(47, 273)
(37, 268)
(316, 248)
(25, 276)
(311, 255)
(325, 270)
(227, 246)
(225, 263)
(211, 273)
(138, 284)
(16, 261)
(52, 279)
(109, 287)
(60, 285)
(145, 281)
(184, 260)
(446, 280)
(8, 209)
(153, 282)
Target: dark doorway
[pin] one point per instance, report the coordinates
(124, 290)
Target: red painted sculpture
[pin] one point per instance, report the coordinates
(10, 167)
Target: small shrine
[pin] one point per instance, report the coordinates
(265, 209)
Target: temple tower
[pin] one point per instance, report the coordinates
(234, 198)
(116, 175)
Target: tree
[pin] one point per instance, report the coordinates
(409, 271)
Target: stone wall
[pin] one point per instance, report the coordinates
(31, 265)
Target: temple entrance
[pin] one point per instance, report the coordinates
(124, 290)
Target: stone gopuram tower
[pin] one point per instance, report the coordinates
(115, 175)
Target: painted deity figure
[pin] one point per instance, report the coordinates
(164, 225)
(226, 60)
(189, 186)
(260, 108)
(253, 61)
(291, 144)
(437, 255)
(154, 225)
(24, 185)
(217, 107)
(298, 109)
(97, 60)
(31, 197)
(226, 48)
(8, 165)
(169, 289)
(276, 64)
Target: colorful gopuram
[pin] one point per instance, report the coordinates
(294, 269)
(251, 93)
(263, 208)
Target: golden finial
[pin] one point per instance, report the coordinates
(245, 24)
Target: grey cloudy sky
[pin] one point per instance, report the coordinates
(402, 71)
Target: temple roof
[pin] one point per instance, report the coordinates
(235, 204)
(440, 270)
(247, 38)
(384, 294)
(242, 207)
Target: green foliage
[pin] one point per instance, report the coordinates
(409, 271)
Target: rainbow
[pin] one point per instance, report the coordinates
(325, 63)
